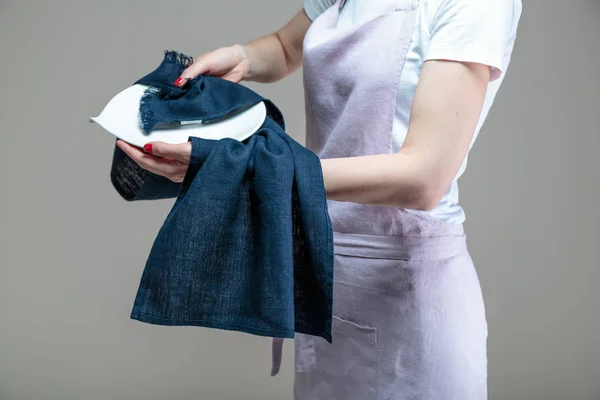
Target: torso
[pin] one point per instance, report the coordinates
(357, 12)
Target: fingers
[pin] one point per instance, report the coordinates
(199, 66)
(180, 152)
(169, 168)
(130, 150)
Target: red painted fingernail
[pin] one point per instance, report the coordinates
(179, 81)
(148, 147)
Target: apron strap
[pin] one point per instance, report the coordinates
(276, 354)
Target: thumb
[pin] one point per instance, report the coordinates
(199, 66)
(180, 152)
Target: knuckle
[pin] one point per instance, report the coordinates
(157, 148)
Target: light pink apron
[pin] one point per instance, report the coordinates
(409, 319)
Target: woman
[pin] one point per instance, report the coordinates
(396, 92)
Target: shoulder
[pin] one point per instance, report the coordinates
(504, 11)
(477, 31)
(314, 8)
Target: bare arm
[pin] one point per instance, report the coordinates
(444, 116)
(277, 55)
(267, 59)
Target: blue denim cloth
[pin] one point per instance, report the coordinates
(248, 244)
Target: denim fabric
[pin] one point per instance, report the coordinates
(204, 97)
(248, 244)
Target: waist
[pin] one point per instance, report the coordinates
(399, 247)
(362, 219)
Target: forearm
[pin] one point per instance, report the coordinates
(444, 116)
(266, 60)
(273, 57)
(397, 180)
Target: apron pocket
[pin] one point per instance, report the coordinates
(343, 369)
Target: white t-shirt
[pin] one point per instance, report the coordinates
(478, 31)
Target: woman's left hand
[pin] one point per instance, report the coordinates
(168, 160)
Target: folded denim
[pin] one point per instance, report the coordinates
(248, 244)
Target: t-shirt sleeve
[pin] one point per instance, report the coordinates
(477, 31)
(314, 8)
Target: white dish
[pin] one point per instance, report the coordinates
(121, 117)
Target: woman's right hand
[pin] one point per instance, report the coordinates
(230, 63)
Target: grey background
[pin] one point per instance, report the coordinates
(72, 251)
